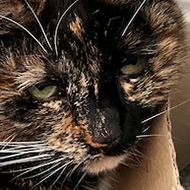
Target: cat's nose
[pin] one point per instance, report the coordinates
(106, 130)
(107, 137)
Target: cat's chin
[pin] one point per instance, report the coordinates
(104, 163)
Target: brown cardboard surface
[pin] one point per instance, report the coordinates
(156, 168)
(180, 117)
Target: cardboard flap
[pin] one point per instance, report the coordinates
(156, 168)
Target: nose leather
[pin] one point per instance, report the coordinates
(106, 129)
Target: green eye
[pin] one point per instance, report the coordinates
(132, 69)
(42, 92)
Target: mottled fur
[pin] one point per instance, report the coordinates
(90, 123)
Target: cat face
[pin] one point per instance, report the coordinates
(75, 90)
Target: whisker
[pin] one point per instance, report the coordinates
(58, 177)
(30, 142)
(137, 155)
(146, 129)
(43, 172)
(57, 27)
(80, 180)
(55, 171)
(133, 17)
(16, 150)
(8, 142)
(26, 30)
(60, 174)
(73, 170)
(112, 19)
(19, 146)
(163, 112)
(151, 135)
(96, 11)
(40, 25)
(26, 160)
(23, 153)
(33, 168)
(9, 147)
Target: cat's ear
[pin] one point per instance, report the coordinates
(18, 11)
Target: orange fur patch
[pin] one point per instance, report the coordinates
(77, 28)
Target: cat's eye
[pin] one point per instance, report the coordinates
(42, 92)
(133, 69)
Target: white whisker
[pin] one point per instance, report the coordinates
(80, 180)
(26, 30)
(163, 112)
(60, 174)
(7, 142)
(151, 135)
(58, 24)
(96, 11)
(112, 19)
(26, 160)
(40, 25)
(30, 142)
(19, 146)
(20, 150)
(10, 136)
(43, 172)
(28, 170)
(73, 170)
(133, 17)
(146, 129)
(23, 153)
(55, 171)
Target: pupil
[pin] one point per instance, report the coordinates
(41, 87)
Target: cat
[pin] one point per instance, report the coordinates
(77, 80)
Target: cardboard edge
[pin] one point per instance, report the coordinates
(172, 148)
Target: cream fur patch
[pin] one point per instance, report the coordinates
(104, 163)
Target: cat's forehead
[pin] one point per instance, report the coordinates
(51, 11)
(75, 15)
(83, 29)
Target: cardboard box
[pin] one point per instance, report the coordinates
(155, 168)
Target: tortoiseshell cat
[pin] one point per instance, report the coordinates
(77, 80)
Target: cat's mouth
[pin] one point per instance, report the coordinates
(111, 156)
(115, 152)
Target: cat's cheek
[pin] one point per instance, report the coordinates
(67, 139)
(69, 149)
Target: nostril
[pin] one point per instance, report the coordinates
(107, 135)
(106, 144)
(110, 146)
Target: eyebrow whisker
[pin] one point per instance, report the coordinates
(58, 24)
(26, 30)
(133, 17)
(40, 25)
